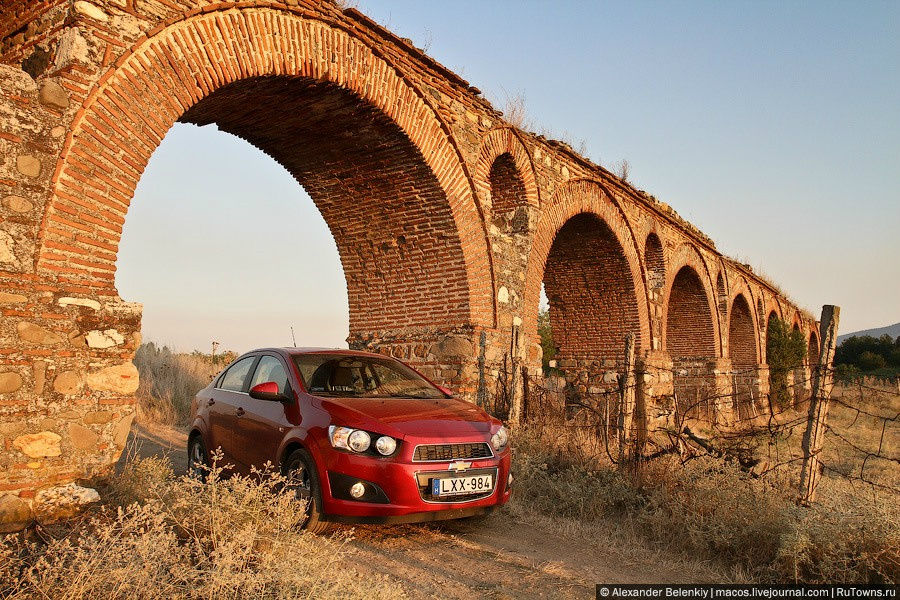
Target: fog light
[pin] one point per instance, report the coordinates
(357, 490)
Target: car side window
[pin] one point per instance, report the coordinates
(234, 377)
(270, 369)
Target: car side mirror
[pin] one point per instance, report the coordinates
(447, 391)
(267, 391)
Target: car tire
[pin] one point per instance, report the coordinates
(300, 469)
(198, 458)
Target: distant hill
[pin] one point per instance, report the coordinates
(891, 330)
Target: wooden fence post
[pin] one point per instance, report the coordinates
(818, 406)
(626, 400)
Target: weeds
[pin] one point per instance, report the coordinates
(710, 509)
(161, 536)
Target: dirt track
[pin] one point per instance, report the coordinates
(503, 556)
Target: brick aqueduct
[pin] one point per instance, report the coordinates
(447, 218)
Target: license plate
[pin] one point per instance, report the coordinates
(452, 486)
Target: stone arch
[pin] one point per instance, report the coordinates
(690, 326)
(598, 219)
(654, 262)
(690, 339)
(743, 353)
(812, 353)
(742, 287)
(504, 174)
(207, 68)
(688, 256)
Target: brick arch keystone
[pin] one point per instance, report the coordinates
(687, 255)
(183, 62)
(573, 198)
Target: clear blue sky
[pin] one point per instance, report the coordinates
(774, 127)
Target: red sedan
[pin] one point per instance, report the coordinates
(365, 437)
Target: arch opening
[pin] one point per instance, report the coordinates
(508, 195)
(655, 263)
(743, 355)
(591, 296)
(381, 201)
(690, 341)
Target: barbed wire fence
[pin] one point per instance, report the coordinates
(773, 434)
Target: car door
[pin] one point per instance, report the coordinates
(264, 422)
(223, 406)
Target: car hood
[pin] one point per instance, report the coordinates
(410, 417)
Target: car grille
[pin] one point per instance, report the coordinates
(448, 452)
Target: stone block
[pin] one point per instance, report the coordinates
(10, 382)
(29, 332)
(68, 382)
(38, 445)
(82, 437)
(120, 379)
(18, 204)
(28, 165)
(62, 502)
(53, 94)
(6, 298)
(90, 11)
(15, 514)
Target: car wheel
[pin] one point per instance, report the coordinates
(198, 459)
(300, 470)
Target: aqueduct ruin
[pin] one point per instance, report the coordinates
(448, 219)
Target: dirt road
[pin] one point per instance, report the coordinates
(507, 555)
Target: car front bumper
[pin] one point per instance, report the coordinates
(398, 491)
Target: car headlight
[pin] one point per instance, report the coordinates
(500, 439)
(359, 441)
(385, 445)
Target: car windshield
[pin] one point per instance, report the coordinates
(346, 376)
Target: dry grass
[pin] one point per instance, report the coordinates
(711, 509)
(169, 382)
(160, 536)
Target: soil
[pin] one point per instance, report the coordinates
(509, 554)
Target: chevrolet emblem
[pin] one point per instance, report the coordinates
(460, 465)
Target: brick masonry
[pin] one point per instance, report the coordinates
(447, 218)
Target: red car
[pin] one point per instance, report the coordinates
(365, 437)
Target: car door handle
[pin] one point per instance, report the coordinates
(239, 412)
(210, 402)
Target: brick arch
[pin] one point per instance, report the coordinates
(813, 349)
(741, 287)
(688, 256)
(742, 346)
(654, 262)
(503, 148)
(744, 353)
(573, 198)
(207, 67)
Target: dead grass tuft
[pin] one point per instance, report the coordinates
(710, 509)
(160, 536)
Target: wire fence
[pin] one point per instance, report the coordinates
(720, 414)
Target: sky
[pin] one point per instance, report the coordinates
(774, 127)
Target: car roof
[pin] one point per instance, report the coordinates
(291, 351)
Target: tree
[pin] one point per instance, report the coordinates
(546, 334)
(785, 351)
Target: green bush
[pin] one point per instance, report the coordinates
(785, 351)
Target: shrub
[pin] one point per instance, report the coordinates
(710, 509)
(785, 351)
(169, 382)
(228, 538)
